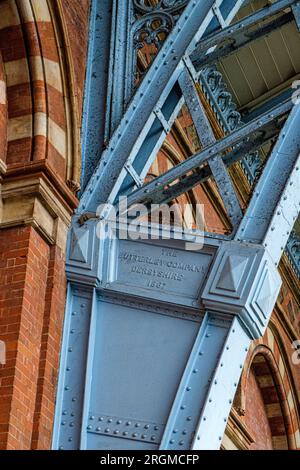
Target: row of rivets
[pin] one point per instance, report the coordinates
(125, 428)
(188, 419)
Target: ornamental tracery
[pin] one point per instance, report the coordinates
(153, 21)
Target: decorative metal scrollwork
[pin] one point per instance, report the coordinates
(220, 99)
(152, 29)
(170, 6)
(154, 20)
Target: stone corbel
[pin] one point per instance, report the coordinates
(33, 201)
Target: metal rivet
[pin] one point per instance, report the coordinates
(172, 441)
(189, 418)
(92, 418)
(106, 430)
(134, 434)
(67, 388)
(116, 432)
(109, 420)
(70, 439)
(146, 426)
(137, 425)
(125, 433)
(175, 431)
(71, 425)
(63, 423)
(182, 407)
(74, 399)
(195, 371)
(98, 429)
(89, 427)
(181, 443)
(153, 438)
(188, 389)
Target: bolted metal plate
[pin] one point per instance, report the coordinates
(137, 361)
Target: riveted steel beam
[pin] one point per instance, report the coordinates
(200, 176)
(240, 34)
(275, 204)
(120, 53)
(93, 133)
(152, 190)
(156, 87)
(206, 137)
(296, 11)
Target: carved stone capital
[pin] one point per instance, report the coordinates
(245, 282)
(34, 201)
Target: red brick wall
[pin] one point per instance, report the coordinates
(32, 289)
(256, 418)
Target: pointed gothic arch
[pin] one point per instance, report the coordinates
(43, 126)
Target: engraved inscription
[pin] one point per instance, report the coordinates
(162, 269)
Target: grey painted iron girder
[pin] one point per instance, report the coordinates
(152, 93)
(189, 182)
(206, 137)
(115, 302)
(275, 204)
(93, 132)
(119, 71)
(152, 189)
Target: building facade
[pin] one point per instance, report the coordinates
(193, 102)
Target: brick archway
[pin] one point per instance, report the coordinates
(273, 379)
